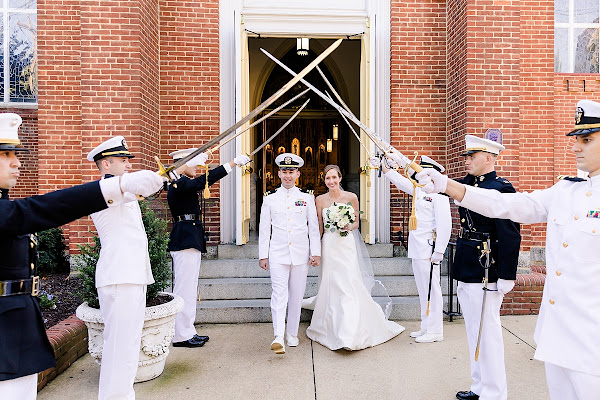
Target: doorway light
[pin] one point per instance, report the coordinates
(302, 46)
(335, 132)
(329, 145)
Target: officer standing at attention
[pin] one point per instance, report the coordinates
(187, 239)
(567, 329)
(24, 346)
(288, 241)
(426, 247)
(122, 274)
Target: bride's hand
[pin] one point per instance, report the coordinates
(347, 228)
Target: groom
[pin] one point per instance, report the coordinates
(288, 242)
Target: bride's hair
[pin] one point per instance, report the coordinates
(329, 168)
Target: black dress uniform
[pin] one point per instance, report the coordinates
(504, 236)
(24, 346)
(188, 232)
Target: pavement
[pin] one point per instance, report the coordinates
(237, 363)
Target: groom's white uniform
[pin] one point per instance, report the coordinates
(288, 236)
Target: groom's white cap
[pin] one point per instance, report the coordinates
(289, 160)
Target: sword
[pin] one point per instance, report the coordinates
(373, 136)
(484, 253)
(280, 129)
(430, 276)
(165, 171)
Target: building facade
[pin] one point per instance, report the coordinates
(422, 74)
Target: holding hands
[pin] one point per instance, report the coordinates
(314, 261)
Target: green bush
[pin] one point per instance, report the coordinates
(52, 253)
(158, 239)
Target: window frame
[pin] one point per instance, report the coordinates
(571, 26)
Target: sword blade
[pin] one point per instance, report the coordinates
(279, 130)
(486, 249)
(260, 107)
(373, 136)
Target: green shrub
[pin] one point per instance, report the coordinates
(158, 239)
(52, 253)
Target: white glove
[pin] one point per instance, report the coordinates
(242, 159)
(433, 180)
(505, 286)
(142, 182)
(395, 157)
(375, 162)
(437, 257)
(200, 159)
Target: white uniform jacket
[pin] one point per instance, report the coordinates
(433, 214)
(124, 253)
(289, 228)
(568, 327)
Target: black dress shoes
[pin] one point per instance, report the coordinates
(189, 343)
(202, 338)
(467, 395)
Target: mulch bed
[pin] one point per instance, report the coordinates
(63, 290)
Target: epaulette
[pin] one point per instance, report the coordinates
(270, 192)
(505, 181)
(570, 178)
(308, 191)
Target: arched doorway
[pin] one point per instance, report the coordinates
(311, 135)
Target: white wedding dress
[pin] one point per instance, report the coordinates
(345, 315)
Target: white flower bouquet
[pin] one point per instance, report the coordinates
(338, 216)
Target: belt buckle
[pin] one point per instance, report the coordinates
(35, 285)
(3, 286)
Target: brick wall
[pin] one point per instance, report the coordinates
(69, 339)
(526, 297)
(418, 83)
(28, 134)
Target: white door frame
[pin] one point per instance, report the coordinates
(336, 18)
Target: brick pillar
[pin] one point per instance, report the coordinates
(189, 74)
(98, 78)
(418, 85)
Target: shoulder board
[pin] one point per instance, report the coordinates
(270, 192)
(570, 178)
(308, 191)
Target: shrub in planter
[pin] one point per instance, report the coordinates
(161, 308)
(158, 239)
(53, 257)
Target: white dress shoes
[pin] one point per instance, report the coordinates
(277, 345)
(292, 341)
(430, 338)
(416, 334)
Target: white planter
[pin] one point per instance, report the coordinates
(157, 334)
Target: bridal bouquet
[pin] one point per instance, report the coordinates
(338, 216)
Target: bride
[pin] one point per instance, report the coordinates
(345, 315)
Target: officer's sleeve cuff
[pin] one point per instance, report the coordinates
(111, 191)
(227, 167)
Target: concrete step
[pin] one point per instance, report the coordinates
(250, 250)
(259, 310)
(260, 288)
(248, 268)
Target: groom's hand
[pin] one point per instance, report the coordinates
(315, 261)
(264, 263)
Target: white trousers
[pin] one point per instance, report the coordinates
(488, 373)
(567, 384)
(432, 323)
(23, 388)
(122, 307)
(186, 267)
(288, 283)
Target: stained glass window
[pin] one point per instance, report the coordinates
(18, 39)
(576, 29)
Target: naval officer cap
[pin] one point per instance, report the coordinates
(587, 118)
(113, 147)
(427, 162)
(178, 154)
(289, 161)
(9, 132)
(475, 144)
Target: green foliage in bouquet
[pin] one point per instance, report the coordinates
(158, 239)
